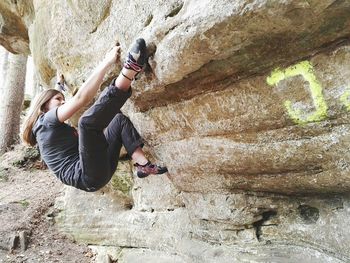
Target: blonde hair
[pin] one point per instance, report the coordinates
(37, 108)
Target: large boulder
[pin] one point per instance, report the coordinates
(246, 102)
(202, 109)
(289, 136)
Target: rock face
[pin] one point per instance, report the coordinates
(246, 102)
(15, 17)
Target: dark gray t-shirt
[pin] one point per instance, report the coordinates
(58, 145)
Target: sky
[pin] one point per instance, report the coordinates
(29, 77)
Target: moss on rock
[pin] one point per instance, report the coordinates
(122, 180)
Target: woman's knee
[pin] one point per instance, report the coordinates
(121, 117)
(89, 122)
(121, 120)
(83, 122)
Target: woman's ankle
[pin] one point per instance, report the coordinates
(138, 156)
(123, 81)
(128, 73)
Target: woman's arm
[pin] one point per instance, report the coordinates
(89, 89)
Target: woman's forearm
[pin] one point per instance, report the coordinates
(90, 87)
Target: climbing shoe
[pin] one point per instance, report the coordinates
(149, 168)
(137, 56)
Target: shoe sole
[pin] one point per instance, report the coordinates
(143, 175)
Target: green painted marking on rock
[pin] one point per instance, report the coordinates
(306, 70)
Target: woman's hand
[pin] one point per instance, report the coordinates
(112, 56)
(89, 88)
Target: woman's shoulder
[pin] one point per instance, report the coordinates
(49, 118)
(46, 119)
(39, 121)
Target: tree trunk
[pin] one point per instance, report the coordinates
(4, 54)
(12, 95)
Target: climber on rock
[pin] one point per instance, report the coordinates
(89, 160)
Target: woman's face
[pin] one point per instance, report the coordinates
(55, 102)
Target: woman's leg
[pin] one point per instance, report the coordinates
(122, 132)
(137, 57)
(93, 146)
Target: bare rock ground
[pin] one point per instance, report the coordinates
(27, 229)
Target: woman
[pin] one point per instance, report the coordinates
(89, 160)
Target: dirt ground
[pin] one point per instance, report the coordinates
(27, 194)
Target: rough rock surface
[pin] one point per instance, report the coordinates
(246, 102)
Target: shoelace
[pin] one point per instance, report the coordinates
(129, 64)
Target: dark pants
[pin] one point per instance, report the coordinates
(103, 129)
